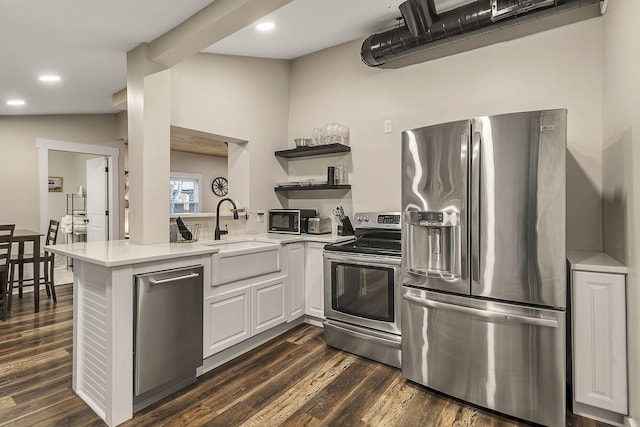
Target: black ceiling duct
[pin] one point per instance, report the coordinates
(428, 36)
(417, 16)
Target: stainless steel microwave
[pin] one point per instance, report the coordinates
(292, 221)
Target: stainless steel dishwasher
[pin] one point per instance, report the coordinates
(168, 332)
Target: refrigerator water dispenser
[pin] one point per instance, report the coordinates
(432, 243)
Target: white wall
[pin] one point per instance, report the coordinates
(243, 98)
(621, 157)
(561, 68)
(18, 135)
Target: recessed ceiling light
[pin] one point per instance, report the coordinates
(49, 78)
(265, 26)
(15, 102)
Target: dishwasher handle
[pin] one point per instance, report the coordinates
(173, 279)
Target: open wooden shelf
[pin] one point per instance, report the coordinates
(314, 150)
(312, 187)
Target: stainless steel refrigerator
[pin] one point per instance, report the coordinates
(483, 262)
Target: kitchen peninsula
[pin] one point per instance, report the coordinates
(104, 310)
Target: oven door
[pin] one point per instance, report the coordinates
(362, 290)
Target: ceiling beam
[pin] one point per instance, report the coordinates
(213, 23)
(119, 99)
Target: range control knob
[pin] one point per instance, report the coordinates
(365, 219)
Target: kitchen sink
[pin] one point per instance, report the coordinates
(239, 260)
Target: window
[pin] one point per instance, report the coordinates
(185, 192)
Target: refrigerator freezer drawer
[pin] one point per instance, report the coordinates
(500, 356)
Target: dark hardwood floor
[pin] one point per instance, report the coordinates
(293, 380)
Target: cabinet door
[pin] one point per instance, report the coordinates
(295, 280)
(268, 304)
(227, 320)
(314, 280)
(599, 340)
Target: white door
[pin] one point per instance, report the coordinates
(314, 280)
(227, 320)
(97, 227)
(600, 340)
(295, 277)
(268, 304)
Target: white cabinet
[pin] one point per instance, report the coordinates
(314, 280)
(295, 280)
(268, 304)
(238, 311)
(227, 319)
(599, 347)
(255, 291)
(246, 296)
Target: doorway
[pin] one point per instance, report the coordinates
(111, 154)
(71, 202)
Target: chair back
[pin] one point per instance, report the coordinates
(52, 233)
(6, 239)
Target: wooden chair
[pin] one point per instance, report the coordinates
(47, 258)
(6, 236)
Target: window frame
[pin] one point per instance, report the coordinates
(184, 176)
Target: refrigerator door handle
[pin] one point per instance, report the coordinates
(475, 206)
(537, 321)
(462, 263)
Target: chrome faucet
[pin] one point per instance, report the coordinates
(219, 232)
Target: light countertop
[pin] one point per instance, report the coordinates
(291, 238)
(595, 261)
(115, 253)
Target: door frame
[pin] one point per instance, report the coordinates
(111, 153)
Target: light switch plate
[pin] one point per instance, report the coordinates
(388, 128)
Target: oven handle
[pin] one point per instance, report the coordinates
(483, 313)
(363, 336)
(361, 259)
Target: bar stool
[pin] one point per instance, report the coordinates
(6, 236)
(48, 258)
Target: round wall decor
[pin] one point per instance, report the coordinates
(220, 186)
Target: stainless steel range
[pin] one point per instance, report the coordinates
(362, 291)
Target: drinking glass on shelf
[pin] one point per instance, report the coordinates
(317, 136)
(340, 174)
(344, 135)
(325, 135)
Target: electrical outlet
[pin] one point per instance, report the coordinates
(260, 216)
(388, 128)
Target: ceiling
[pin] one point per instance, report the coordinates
(86, 41)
